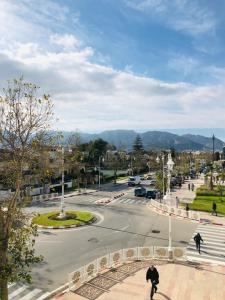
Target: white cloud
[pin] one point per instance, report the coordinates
(67, 41)
(183, 64)
(90, 96)
(188, 16)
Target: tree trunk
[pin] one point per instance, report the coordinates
(3, 261)
(4, 290)
(3, 258)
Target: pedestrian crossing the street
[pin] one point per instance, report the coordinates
(19, 291)
(213, 247)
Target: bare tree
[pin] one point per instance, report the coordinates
(24, 119)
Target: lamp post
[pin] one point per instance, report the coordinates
(148, 165)
(99, 170)
(62, 213)
(62, 202)
(170, 165)
(163, 161)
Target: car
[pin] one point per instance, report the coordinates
(152, 182)
(140, 192)
(142, 177)
(151, 194)
(134, 180)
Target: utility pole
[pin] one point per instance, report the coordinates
(213, 139)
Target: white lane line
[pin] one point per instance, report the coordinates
(209, 251)
(11, 285)
(31, 294)
(43, 296)
(125, 201)
(218, 227)
(212, 232)
(212, 240)
(17, 291)
(132, 201)
(206, 259)
(206, 245)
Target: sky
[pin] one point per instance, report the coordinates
(120, 64)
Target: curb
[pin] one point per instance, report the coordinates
(118, 196)
(108, 201)
(219, 224)
(69, 195)
(94, 219)
(160, 212)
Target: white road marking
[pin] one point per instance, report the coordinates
(17, 291)
(31, 294)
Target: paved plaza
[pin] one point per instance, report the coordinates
(177, 282)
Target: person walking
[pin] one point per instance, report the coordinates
(177, 202)
(153, 275)
(198, 239)
(189, 186)
(192, 186)
(187, 209)
(214, 206)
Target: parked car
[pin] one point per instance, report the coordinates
(140, 192)
(152, 182)
(151, 194)
(142, 177)
(134, 180)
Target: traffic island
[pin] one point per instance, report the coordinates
(52, 220)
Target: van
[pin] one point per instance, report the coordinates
(134, 180)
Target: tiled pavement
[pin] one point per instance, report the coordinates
(177, 282)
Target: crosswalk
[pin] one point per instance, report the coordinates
(92, 199)
(130, 201)
(19, 291)
(213, 248)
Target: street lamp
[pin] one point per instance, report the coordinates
(148, 165)
(170, 165)
(62, 202)
(99, 170)
(163, 160)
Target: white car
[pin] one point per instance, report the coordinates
(134, 180)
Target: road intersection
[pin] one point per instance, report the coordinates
(126, 222)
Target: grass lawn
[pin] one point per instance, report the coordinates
(204, 203)
(80, 218)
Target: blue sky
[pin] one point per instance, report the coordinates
(130, 64)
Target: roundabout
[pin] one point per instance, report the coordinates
(52, 220)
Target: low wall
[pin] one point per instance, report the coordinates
(44, 197)
(116, 258)
(193, 215)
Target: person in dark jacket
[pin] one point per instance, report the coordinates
(187, 209)
(198, 239)
(214, 206)
(153, 275)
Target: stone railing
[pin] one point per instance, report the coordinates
(44, 197)
(193, 215)
(116, 258)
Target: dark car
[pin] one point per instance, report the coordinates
(151, 194)
(140, 192)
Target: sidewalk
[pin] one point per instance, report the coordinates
(186, 196)
(176, 282)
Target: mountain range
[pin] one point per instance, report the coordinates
(152, 140)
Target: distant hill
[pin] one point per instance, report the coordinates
(153, 140)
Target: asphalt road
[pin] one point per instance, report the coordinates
(119, 226)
